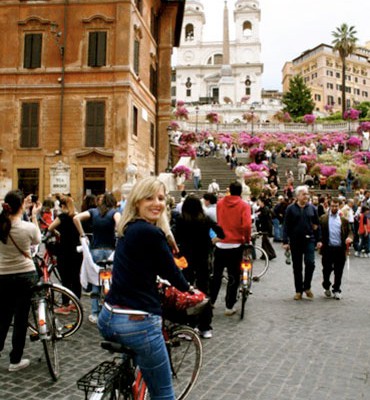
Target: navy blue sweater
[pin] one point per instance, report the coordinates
(142, 254)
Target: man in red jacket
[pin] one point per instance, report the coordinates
(234, 217)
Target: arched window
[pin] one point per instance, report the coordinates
(189, 32)
(215, 59)
(247, 28)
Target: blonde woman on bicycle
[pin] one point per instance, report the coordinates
(132, 312)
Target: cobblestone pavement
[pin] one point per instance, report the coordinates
(282, 350)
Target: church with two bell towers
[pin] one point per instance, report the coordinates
(225, 71)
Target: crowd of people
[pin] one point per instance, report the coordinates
(146, 230)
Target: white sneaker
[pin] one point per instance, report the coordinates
(93, 318)
(206, 334)
(24, 363)
(327, 293)
(230, 311)
(357, 254)
(337, 295)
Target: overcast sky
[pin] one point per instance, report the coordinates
(289, 27)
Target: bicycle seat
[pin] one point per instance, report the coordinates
(105, 263)
(114, 347)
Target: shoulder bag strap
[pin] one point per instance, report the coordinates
(20, 250)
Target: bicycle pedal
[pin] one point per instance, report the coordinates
(34, 337)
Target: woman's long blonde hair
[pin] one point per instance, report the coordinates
(142, 189)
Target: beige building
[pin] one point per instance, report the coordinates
(321, 70)
(84, 92)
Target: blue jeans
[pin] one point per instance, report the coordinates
(278, 234)
(196, 180)
(145, 338)
(97, 255)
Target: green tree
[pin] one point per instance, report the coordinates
(298, 99)
(345, 44)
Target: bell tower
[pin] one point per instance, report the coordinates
(194, 21)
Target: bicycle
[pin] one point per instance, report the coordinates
(119, 378)
(260, 258)
(57, 295)
(246, 276)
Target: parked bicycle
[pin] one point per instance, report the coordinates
(68, 322)
(45, 325)
(246, 276)
(260, 258)
(120, 378)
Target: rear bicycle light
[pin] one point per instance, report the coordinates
(246, 265)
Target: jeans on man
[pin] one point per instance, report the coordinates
(278, 232)
(333, 260)
(303, 251)
(145, 338)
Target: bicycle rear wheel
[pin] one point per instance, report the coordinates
(66, 324)
(186, 354)
(50, 343)
(260, 262)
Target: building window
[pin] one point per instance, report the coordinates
(317, 97)
(28, 180)
(152, 135)
(330, 100)
(247, 91)
(97, 49)
(95, 123)
(153, 81)
(216, 59)
(247, 28)
(136, 56)
(189, 32)
(154, 24)
(32, 50)
(30, 125)
(337, 75)
(173, 91)
(173, 75)
(135, 120)
(188, 92)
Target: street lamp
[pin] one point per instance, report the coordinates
(252, 120)
(169, 162)
(196, 118)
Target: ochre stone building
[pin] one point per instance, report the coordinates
(84, 92)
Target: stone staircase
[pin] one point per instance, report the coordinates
(217, 168)
(211, 168)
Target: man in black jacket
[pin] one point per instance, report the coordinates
(301, 234)
(336, 236)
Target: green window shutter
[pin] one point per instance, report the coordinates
(95, 124)
(101, 49)
(30, 125)
(93, 37)
(136, 56)
(27, 51)
(36, 50)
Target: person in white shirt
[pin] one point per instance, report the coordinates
(213, 187)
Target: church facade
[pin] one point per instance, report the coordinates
(220, 72)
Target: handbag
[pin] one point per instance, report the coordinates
(19, 249)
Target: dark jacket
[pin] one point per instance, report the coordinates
(345, 232)
(301, 224)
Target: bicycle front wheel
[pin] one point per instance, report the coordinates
(67, 323)
(260, 262)
(50, 344)
(186, 354)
